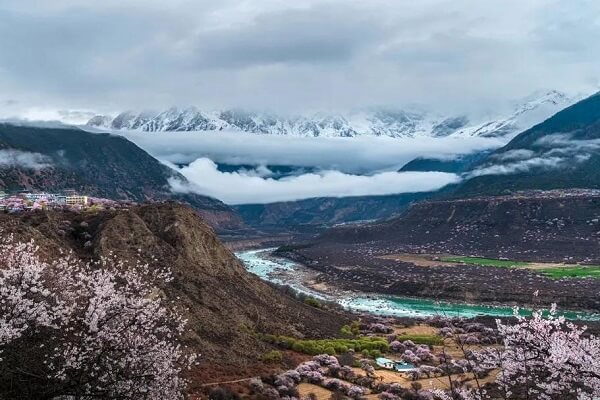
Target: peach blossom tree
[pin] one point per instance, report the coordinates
(86, 330)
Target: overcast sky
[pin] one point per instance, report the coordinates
(291, 56)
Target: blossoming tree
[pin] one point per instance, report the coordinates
(86, 330)
(542, 357)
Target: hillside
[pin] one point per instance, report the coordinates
(103, 165)
(564, 226)
(226, 305)
(456, 165)
(325, 211)
(377, 122)
(561, 152)
(404, 256)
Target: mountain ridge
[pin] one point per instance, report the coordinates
(396, 123)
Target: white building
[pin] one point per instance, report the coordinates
(76, 200)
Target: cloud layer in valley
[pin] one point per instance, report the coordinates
(350, 155)
(551, 152)
(313, 55)
(251, 186)
(342, 166)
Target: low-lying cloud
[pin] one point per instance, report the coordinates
(17, 158)
(552, 152)
(254, 186)
(520, 166)
(359, 155)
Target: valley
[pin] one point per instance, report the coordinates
(486, 250)
(310, 200)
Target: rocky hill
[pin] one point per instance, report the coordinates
(377, 122)
(227, 305)
(103, 165)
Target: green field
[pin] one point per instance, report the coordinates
(554, 272)
(432, 340)
(486, 262)
(364, 344)
(591, 271)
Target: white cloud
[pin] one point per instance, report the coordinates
(552, 151)
(519, 166)
(248, 187)
(17, 158)
(351, 155)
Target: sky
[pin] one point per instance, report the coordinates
(68, 59)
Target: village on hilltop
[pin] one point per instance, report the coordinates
(69, 199)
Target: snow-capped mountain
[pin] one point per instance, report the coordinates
(381, 122)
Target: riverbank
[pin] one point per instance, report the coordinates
(306, 280)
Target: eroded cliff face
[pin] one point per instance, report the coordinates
(226, 304)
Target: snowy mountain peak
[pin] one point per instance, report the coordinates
(380, 122)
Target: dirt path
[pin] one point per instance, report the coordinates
(225, 382)
(304, 389)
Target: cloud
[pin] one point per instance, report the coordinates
(17, 158)
(552, 151)
(248, 187)
(519, 166)
(512, 155)
(357, 155)
(292, 56)
(567, 144)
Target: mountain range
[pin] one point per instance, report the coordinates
(395, 123)
(563, 152)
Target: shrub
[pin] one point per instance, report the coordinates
(431, 340)
(329, 346)
(311, 301)
(273, 356)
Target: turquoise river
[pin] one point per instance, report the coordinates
(286, 272)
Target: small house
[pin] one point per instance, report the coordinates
(385, 363)
(399, 366)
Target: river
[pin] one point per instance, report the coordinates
(286, 272)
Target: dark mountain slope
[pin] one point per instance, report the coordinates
(100, 165)
(227, 305)
(561, 152)
(324, 211)
(384, 257)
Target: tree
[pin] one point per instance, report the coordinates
(86, 330)
(541, 357)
